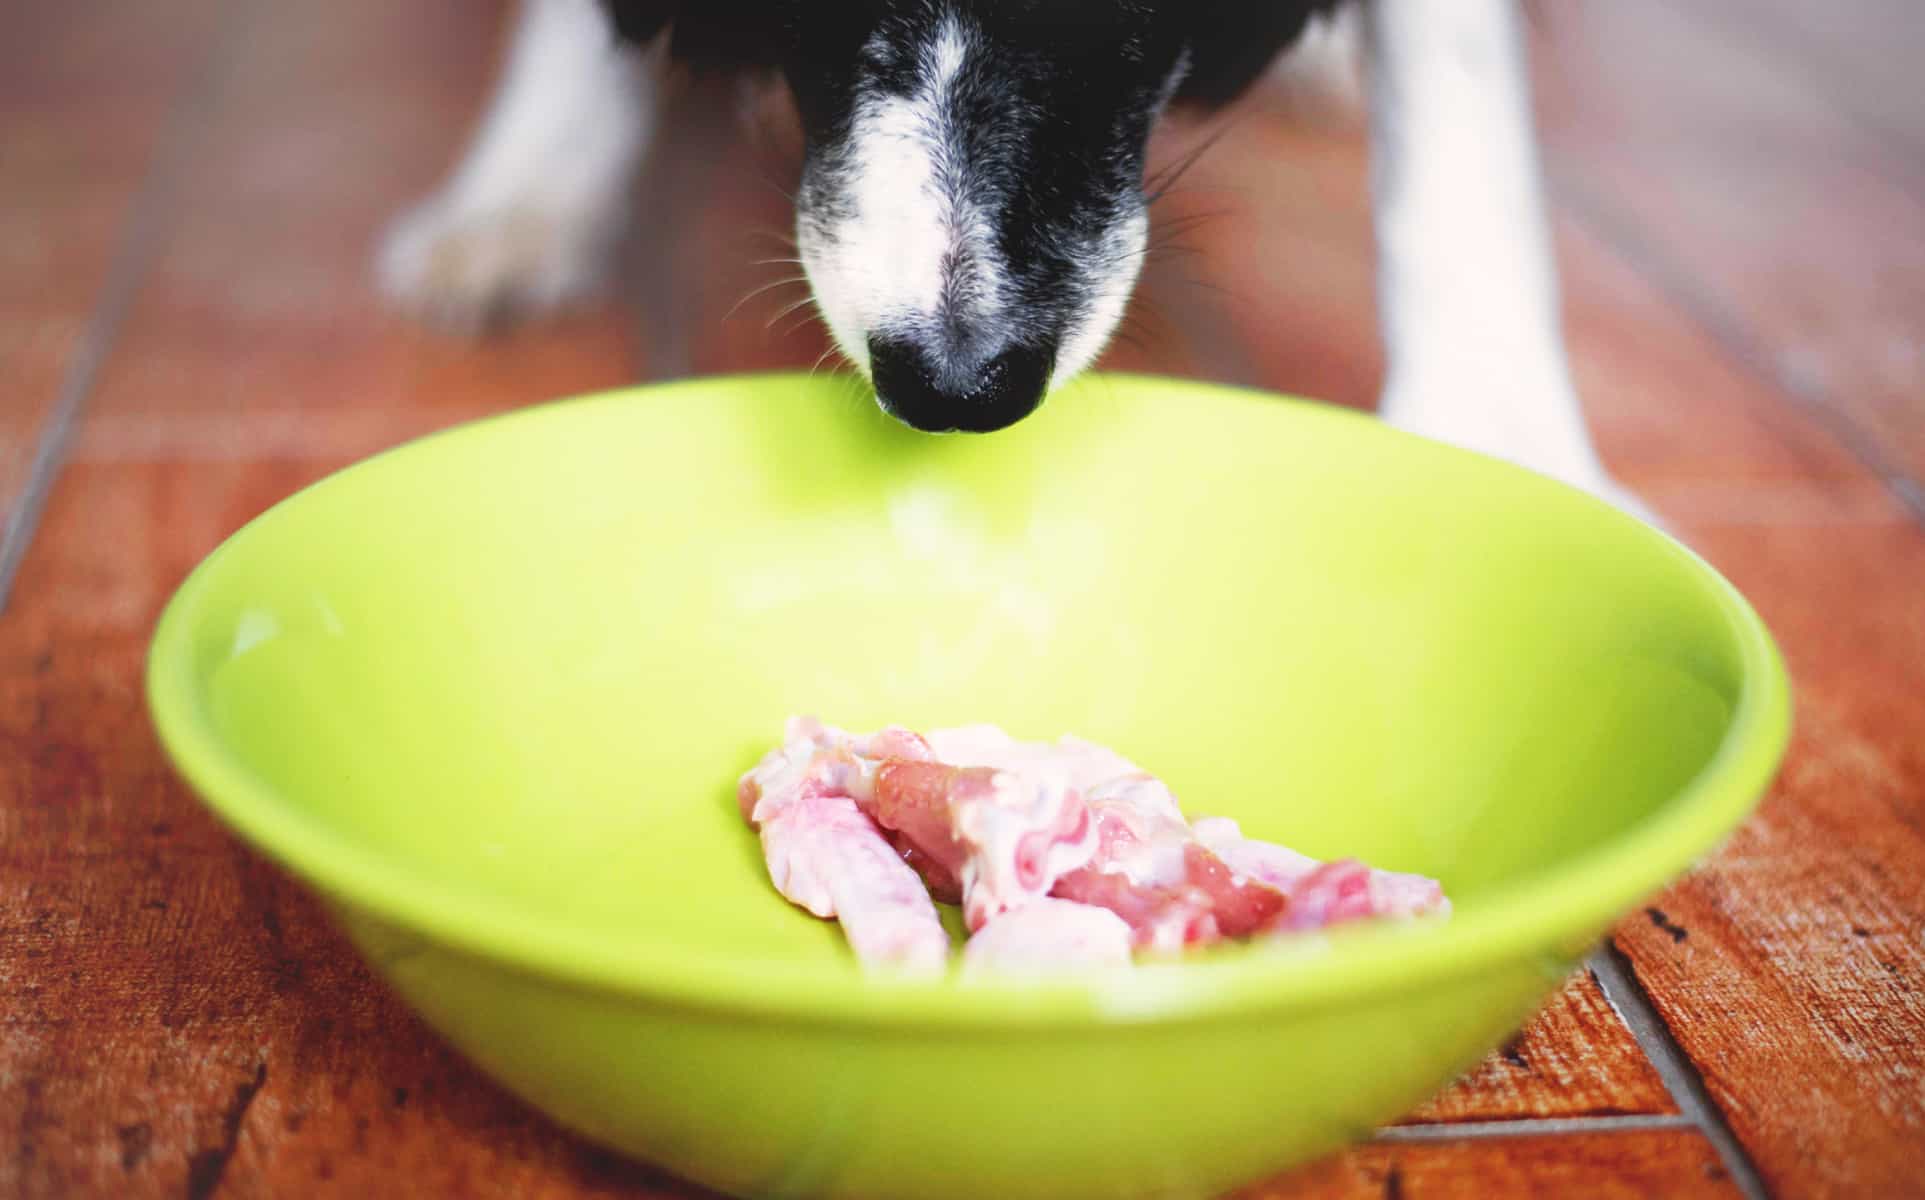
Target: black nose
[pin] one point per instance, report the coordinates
(937, 393)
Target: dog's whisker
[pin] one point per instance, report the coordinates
(789, 281)
(787, 310)
(1130, 337)
(1212, 286)
(1159, 185)
(1166, 227)
(780, 189)
(1162, 336)
(785, 240)
(803, 322)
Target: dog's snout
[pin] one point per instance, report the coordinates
(939, 393)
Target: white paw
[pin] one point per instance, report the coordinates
(1622, 498)
(465, 268)
(1536, 428)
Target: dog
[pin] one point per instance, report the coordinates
(972, 211)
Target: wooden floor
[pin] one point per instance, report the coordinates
(188, 196)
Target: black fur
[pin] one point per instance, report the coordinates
(1230, 42)
(1046, 129)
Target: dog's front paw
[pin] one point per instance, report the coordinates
(465, 268)
(1539, 427)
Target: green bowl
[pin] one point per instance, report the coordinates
(489, 694)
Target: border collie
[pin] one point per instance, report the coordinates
(972, 214)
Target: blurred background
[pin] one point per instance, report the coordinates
(191, 194)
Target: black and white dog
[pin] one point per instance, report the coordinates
(972, 214)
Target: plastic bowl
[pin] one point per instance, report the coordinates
(489, 694)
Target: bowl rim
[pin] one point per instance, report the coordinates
(1548, 918)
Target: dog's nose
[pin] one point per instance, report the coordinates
(938, 395)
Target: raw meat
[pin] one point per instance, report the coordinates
(1151, 871)
(1047, 937)
(825, 855)
(1322, 893)
(1004, 837)
(1061, 854)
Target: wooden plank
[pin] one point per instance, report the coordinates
(1673, 1163)
(1575, 1059)
(1783, 221)
(1862, 56)
(160, 968)
(1684, 422)
(1791, 968)
(262, 306)
(181, 1017)
(113, 73)
(1283, 259)
(158, 974)
(1270, 277)
(1788, 967)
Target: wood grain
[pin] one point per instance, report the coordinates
(1677, 1164)
(1779, 211)
(1864, 56)
(182, 1020)
(261, 311)
(1265, 275)
(1576, 1059)
(86, 98)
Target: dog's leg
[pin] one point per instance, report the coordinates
(1466, 284)
(526, 222)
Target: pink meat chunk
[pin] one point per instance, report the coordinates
(1060, 853)
(1322, 893)
(1048, 936)
(822, 756)
(1004, 836)
(1151, 871)
(826, 856)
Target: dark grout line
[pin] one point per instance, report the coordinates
(1533, 1127)
(1728, 331)
(1911, 492)
(152, 210)
(1618, 980)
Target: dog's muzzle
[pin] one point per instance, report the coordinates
(942, 393)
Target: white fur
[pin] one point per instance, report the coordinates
(1466, 285)
(908, 237)
(1324, 68)
(915, 248)
(1109, 286)
(528, 219)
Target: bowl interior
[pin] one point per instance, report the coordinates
(522, 664)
